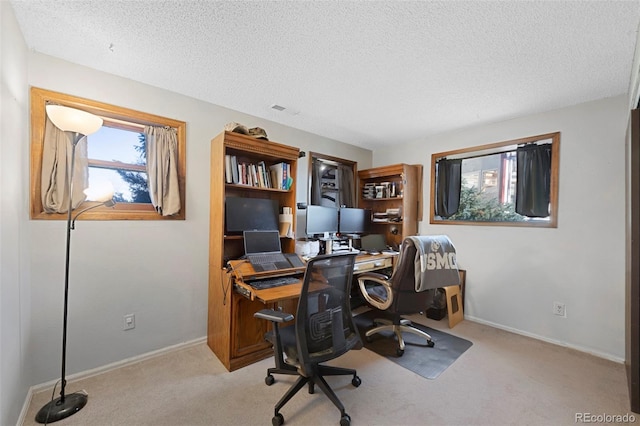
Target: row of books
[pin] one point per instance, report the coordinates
(276, 176)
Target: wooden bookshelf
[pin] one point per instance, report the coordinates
(392, 188)
(233, 334)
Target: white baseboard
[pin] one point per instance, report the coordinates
(25, 407)
(103, 369)
(546, 339)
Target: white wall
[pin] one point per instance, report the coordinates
(515, 274)
(156, 270)
(14, 296)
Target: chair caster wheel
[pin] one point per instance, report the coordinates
(369, 339)
(269, 380)
(345, 420)
(356, 381)
(399, 352)
(430, 343)
(277, 420)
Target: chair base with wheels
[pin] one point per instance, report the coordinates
(397, 327)
(317, 379)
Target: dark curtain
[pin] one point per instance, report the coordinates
(347, 186)
(448, 181)
(534, 180)
(316, 183)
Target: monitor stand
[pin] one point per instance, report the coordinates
(348, 248)
(328, 242)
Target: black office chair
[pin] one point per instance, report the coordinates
(323, 330)
(396, 296)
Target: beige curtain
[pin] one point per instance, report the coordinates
(56, 158)
(162, 169)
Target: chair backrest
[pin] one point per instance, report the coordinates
(324, 324)
(403, 284)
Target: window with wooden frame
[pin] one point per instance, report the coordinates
(116, 153)
(512, 183)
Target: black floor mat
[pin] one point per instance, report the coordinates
(418, 357)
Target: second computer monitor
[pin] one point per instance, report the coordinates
(354, 221)
(321, 220)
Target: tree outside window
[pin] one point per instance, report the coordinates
(119, 157)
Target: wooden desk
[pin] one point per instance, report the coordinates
(244, 271)
(234, 335)
(368, 262)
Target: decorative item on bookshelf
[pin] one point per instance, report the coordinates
(286, 223)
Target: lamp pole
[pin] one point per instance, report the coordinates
(64, 406)
(75, 138)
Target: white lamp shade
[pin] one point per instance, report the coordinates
(100, 192)
(73, 120)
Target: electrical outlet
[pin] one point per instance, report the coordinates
(129, 322)
(559, 309)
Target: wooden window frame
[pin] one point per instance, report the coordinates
(495, 148)
(121, 211)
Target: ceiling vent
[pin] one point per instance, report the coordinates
(289, 111)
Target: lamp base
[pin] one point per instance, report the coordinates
(56, 409)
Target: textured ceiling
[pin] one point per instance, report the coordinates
(363, 72)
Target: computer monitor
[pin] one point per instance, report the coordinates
(321, 220)
(251, 214)
(353, 221)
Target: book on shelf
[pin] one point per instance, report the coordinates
(234, 169)
(260, 176)
(254, 175)
(228, 175)
(242, 177)
(281, 175)
(263, 180)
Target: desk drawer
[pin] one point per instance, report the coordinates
(372, 265)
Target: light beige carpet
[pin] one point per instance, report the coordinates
(503, 379)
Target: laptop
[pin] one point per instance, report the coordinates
(373, 243)
(263, 250)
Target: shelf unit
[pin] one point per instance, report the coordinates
(406, 195)
(233, 334)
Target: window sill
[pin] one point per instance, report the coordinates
(121, 211)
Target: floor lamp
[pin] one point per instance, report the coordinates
(76, 124)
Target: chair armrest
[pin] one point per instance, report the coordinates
(382, 282)
(373, 276)
(273, 315)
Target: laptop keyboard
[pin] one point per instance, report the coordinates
(272, 282)
(267, 258)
